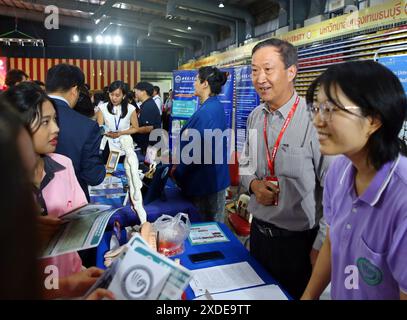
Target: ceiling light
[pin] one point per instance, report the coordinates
(99, 39)
(189, 28)
(221, 5)
(89, 39)
(22, 42)
(117, 40)
(75, 38)
(169, 40)
(108, 40)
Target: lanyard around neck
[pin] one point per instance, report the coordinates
(117, 123)
(272, 158)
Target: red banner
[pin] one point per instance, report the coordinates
(98, 73)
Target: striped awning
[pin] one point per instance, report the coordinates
(98, 73)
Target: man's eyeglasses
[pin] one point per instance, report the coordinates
(327, 109)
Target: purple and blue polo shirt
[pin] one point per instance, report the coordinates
(368, 232)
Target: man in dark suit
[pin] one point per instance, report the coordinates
(79, 137)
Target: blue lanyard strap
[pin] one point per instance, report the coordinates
(118, 122)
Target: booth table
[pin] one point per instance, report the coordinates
(174, 203)
(233, 251)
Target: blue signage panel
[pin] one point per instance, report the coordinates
(246, 99)
(226, 96)
(398, 64)
(184, 103)
(183, 108)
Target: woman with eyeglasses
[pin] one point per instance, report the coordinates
(205, 180)
(358, 112)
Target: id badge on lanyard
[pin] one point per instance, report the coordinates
(271, 158)
(117, 124)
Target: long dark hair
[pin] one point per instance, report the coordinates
(19, 275)
(99, 96)
(378, 93)
(216, 78)
(27, 98)
(124, 88)
(84, 105)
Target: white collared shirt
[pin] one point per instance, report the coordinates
(59, 98)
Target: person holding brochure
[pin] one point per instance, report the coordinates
(19, 253)
(54, 182)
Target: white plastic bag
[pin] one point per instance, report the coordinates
(171, 233)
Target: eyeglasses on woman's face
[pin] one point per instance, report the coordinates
(327, 109)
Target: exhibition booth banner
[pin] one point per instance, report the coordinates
(226, 96)
(185, 103)
(246, 99)
(398, 64)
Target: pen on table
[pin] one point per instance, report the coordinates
(157, 241)
(208, 296)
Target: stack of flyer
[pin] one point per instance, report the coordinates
(141, 273)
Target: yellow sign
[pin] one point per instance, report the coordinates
(390, 12)
(380, 15)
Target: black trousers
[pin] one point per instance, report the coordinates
(284, 254)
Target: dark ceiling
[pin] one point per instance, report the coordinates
(137, 18)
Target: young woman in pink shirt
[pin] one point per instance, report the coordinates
(55, 185)
(19, 254)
